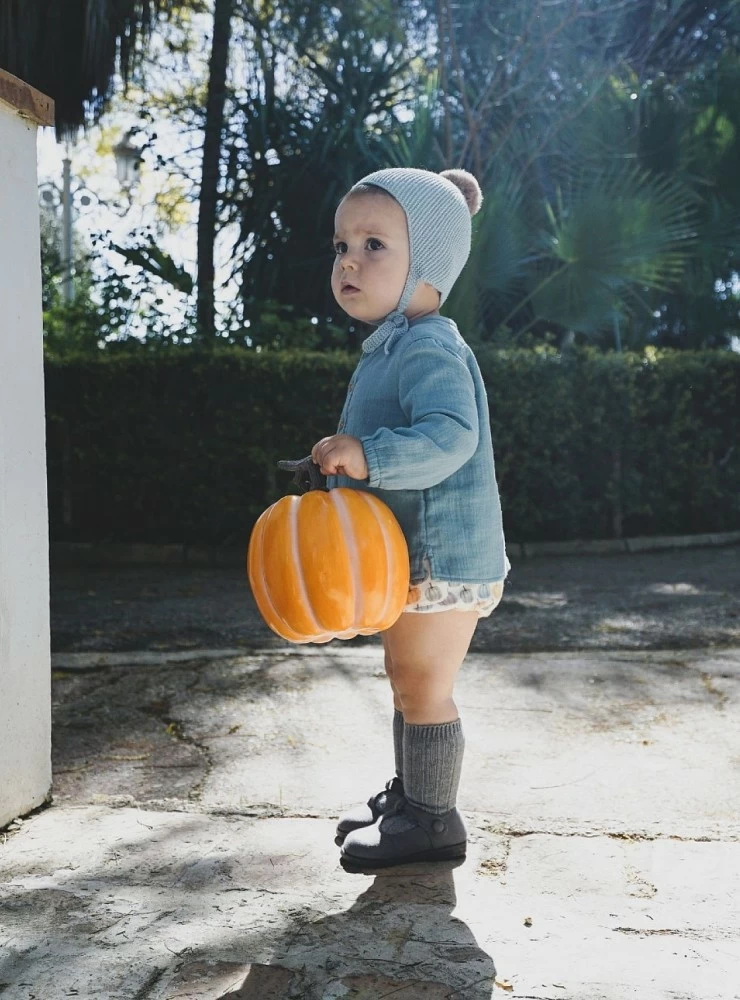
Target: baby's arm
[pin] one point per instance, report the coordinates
(437, 394)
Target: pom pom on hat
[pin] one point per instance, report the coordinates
(469, 187)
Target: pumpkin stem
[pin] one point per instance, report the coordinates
(307, 473)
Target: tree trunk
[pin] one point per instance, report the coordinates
(211, 163)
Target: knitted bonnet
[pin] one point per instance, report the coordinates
(438, 216)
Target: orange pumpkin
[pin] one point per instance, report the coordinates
(328, 565)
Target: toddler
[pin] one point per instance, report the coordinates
(415, 431)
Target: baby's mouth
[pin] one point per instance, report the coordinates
(349, 288)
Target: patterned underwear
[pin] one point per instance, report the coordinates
(439, 595)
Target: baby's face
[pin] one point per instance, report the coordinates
(371, 243)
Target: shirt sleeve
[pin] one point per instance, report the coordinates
(437, 394)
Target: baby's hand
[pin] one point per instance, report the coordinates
(340, 455)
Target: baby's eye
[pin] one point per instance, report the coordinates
(341, 247)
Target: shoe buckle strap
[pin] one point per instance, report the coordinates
(426, 820)
(396, 807)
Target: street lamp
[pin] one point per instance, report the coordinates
(128, 163)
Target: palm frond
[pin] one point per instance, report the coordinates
(72, 51)
(632, 231)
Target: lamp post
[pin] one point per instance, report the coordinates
(128, 164)
(128, 161)
(68, 290)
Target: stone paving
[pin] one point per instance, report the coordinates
(188, 852)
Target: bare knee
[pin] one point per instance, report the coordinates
(423, 697)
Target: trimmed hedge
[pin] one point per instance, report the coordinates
(182, 446)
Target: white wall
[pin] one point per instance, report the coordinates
(25, 676)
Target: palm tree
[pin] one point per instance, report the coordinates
(72, 51)
(607, 148)
(291, 153)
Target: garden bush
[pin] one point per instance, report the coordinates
(181, 446)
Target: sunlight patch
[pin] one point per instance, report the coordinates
(542, 600)
(674, 588)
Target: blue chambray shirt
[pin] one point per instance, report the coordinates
(421, 413)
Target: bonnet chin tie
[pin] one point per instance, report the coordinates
(394, 323)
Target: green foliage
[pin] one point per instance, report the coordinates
(99, 310)
(278, 328)
(106, 303)
(606, 139)
(156, 261)
(72, 330)
(610, 201)
(291, 152)
(588, 129)
(181, 446)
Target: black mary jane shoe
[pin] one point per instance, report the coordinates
(426, 837)
(368, 812)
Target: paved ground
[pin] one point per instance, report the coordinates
(663, 600)
(189, 849)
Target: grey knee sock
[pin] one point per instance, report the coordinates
(432, 763)
(398, 741)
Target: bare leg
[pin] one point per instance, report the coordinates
(389, 670)
(423, 655)
(426, 652)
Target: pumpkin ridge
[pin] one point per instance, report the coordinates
(298, 569)
(388, 561)
(264, 589)
(349, 540)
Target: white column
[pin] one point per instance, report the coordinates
(25, 674)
